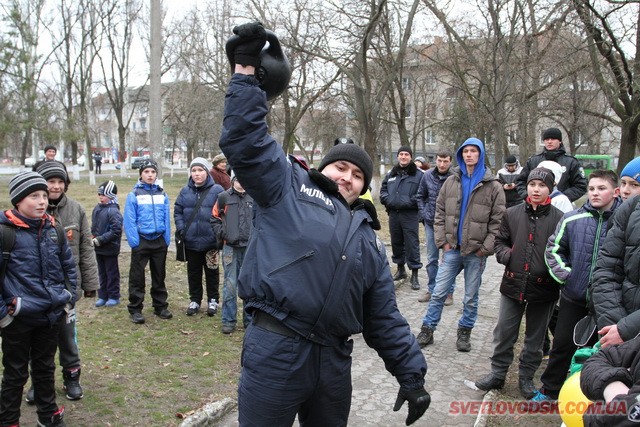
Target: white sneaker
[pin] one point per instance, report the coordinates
(193, 308)
(213, 308)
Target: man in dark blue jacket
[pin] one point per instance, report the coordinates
(398, 194)
(427, 196)
(314, 271)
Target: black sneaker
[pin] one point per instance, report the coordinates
(527, 389)
(227, 329)
(30, 398)
(464, 339)
(137, 318)
(56, 420)
(212, 309)
(193, 308)
(71, 384)
(163, 314)
(490, 382)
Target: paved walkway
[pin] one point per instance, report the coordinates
(375, 390)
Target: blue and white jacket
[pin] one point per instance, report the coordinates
(146, 214)
(313, 262)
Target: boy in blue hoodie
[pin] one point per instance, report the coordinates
(147, 225)
(469, 209)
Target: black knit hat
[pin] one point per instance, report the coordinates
(510, 160)
(405, 148)
(24, 184)
(544, 175)
(146, 164)
(53, 169)
(354, 154)
(109, 189)
(552, 133)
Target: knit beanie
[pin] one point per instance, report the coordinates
(146, 164)
(109, 189)
(554, 167)
(552, 133)
(351, 153)
(53, 169)
(632, 169)
(24, 184)
(219, 158)
(405, 148)
(510, 160)
(544, 175)
(200, 161)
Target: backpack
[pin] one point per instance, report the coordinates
(8, 240)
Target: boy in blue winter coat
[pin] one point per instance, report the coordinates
(147, 225)
(106, 229)
(33, 301)
(570, 256)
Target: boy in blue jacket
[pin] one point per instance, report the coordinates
(106, 229)
(33, 301)
(570, 256)
(147, 225)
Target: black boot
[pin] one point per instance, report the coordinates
(400, 274)
(490, 382)
(464, 339)
(415, 285)
(425, 337)
(71, 383)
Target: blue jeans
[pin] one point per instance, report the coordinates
(473, 266)
(433, 256)
(232, 258)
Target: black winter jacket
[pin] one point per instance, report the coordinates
(313, 262)
(399, 188)
(520, 246)
(106, 226)
(428, 191)
(573, 182)
(616, 278)
(232, 218)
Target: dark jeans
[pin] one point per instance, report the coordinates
(404, 227)
(109, 273)
(155, 253)
(20, 342)
(563, 347)
(196, 262)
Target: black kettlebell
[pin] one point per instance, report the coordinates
(274, 72)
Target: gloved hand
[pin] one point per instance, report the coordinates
(89, 294)
(252, 39)
(95, 241)
(419, 401)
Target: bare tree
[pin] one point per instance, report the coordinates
(615, 69)
(113, 48)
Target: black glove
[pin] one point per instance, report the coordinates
(90, 294)
(252, 39)
(419, 401)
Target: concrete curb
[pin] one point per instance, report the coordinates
(481, 419)
(210, 414)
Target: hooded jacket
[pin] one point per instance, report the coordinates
(616, 278)
(520, 246)
(469, 209)
(573, 182)
(146, 214)
(73, 218)
(574, 247)
(198, 236)
(428, 190)
(38, 294)
(313, 262)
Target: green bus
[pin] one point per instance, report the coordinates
(591, 162)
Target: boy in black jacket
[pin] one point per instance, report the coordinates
(527, 288)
